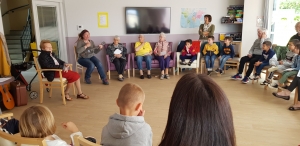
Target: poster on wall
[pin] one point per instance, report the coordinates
(102, 19)
(192, 17)
(259, 21)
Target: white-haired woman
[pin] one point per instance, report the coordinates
(117, 55)
(297, 35)
(162, 53)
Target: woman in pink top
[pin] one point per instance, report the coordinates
(162, 54)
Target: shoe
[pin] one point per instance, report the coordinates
(121, 79)
(162, 76)
(217, 70)
(221, 72)
(189, 64)
(88, 81)
(83, 96)
(283, 97)
(105, 82)
(237, 77)
(142, 77)
(167, 76)
(182, 63)
(149, 76)
(274, 86)
(265, 82)
(273, 68)
(91, 139)
(255, 77)
(68, 98)
(291, 108)
(285, 87)
(245, 80)
(209, 73)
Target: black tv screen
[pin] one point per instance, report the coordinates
(143, 20)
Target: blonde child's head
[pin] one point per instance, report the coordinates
(292, 44)
(227, 40)
(37, 122)
(131, 98)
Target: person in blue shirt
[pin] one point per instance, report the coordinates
(227, 53)
(267, 54)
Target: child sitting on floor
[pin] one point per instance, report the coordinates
(227, 53)
(210, 52)
(264, 60)
(129, 127)
(188, 52)
(282, 65)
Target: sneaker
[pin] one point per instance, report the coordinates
(105, 82)
(121, 79)
(167, 76)
(91, 139)
(149, 76)
(142, 77)
(162, 77)
(265, 82)
(273, 68)
(255, 77)
(274, 86)
(245, 80)
(183, 63)
(217, 70)
(209, 73)
(221, 72)
(189, 64)
(88, 81)
(237, 77)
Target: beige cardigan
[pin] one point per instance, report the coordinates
(211, 31)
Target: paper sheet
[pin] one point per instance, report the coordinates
(4, 79)
(103, 20)
(298, 75)
(289, 69)
(117, 51)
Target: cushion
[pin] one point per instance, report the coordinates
(281, 52)
(55, 80)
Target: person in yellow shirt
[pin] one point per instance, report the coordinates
(143, 52)
(210, 51)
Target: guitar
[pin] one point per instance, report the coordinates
(7, 98)
(92, 50)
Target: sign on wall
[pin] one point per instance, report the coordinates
(192, 17)
(102, 19)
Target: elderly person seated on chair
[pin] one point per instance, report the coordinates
(162, 53)
(47, 60)
(253, 56)
(116, 52)
(143, 52)
(86, 50)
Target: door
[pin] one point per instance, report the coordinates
(49, 25)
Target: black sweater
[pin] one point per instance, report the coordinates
(46, 62)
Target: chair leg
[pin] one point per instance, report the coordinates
(133, 72)
(128, 72)
(50, 92)
(197, 70)
(173, 71)
(296, 96)
(41, 92)
(108, 72)
(63, 93)
(178, 70)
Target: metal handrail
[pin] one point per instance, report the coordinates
(26, 37)
(14, 9)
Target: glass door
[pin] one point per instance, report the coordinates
(285, 14)
(49, 25)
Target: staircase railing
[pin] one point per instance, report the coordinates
(15, 9)
(26, 37)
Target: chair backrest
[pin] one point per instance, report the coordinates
(152, 44)
(75, 54)
(280, 52)
(106, 45)
(22, 140)
(196, 45)
(6, 116)
(36, 62)
(80, 141)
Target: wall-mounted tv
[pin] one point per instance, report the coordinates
(147, 20)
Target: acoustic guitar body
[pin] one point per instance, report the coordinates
(7, 98)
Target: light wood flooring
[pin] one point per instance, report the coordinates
(260, 119)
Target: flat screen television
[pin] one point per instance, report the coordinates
(147, 20)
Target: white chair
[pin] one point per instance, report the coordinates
(56, 83)
(195, 64)
(78, 66)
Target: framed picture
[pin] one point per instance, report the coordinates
(102, 19)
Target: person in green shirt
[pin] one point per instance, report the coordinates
(143, 52)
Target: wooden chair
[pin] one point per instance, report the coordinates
(12, 140)
(80, 141)
(56, 83)
(202, 60)
(234, 62)
(78, 66)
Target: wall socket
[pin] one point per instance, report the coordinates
(79, 27)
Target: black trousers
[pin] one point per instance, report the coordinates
(295, 83)
(252, 61)
(119, 65)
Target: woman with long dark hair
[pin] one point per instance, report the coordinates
(199, 114)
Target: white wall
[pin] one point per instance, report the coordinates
(252, 9)
(5, 20)
(79, 12)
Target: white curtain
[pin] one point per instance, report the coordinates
(266, 14)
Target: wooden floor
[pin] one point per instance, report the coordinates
(260, 119)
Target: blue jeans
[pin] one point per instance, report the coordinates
(260, 67)
(90, 64)
(140, 59)
(210, 60)
(223, 60)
